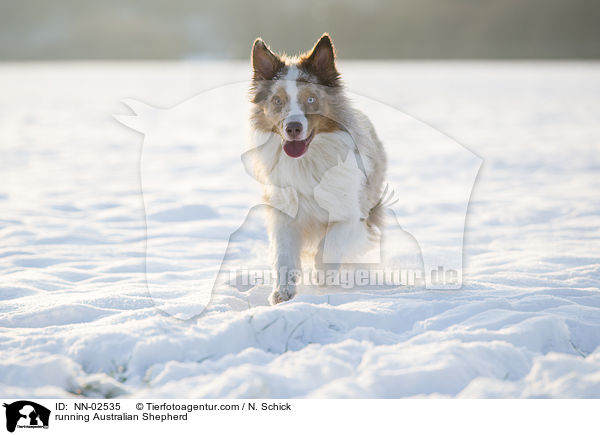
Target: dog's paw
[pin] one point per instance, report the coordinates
(282, 294)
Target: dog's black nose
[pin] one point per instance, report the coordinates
(293, 129)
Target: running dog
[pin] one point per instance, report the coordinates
(304, 128)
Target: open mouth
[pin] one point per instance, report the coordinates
(296, 148)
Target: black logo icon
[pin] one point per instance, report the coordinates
(29, 414)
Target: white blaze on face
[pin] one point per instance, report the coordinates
(295, 113)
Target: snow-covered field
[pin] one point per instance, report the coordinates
(76, 316)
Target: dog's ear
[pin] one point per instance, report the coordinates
(321, 61)
(264, 62)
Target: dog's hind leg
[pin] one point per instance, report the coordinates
(349, 242)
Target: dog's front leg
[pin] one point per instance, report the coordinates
(285, 243)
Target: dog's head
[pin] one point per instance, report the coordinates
(296, 97)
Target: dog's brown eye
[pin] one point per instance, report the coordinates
(276, 100)
(311, 100)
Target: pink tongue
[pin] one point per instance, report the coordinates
(295, 148)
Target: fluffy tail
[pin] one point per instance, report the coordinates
(377, 213)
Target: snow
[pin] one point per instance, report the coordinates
(76, 316)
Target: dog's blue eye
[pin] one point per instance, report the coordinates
(310, 100)
(277, 100)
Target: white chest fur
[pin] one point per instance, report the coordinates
(326, 179)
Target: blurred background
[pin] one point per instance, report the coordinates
(225, 29)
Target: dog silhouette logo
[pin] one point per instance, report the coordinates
(26, 414)
(206, 212)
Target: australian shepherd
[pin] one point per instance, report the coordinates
(320, 162)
